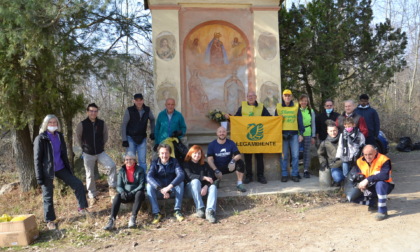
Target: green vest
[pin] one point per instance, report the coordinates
(290, 116)
(307, 121)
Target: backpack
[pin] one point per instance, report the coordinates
(405, 144)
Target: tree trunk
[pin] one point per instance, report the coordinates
(24, 155)
(69, 141)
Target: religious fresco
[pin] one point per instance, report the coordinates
(267, 45)
(216, 68)
(166, 90)
(165, 45)
(269, 95)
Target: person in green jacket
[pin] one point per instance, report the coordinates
(130, 188)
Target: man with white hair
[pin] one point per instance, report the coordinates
(349, 107)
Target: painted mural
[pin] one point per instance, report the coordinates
(270, 95)
(165, 48)
(216, 68)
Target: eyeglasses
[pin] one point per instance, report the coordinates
(328, 106)
(128, 159)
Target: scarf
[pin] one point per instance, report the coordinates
(349, 138)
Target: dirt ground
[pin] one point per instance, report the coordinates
(329, 226)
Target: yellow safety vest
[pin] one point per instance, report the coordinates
(290, 116)
(250, 110)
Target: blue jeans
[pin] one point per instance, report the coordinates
(292, 142)
(346, 168)
(153, 195)
(337, 174)
(133, 147)
(193, 190)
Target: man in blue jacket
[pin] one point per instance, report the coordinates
(165, 179)
(371, 118)
(169, 123)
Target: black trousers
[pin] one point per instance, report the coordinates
(260, 165)
(48, 192)
(116, 203)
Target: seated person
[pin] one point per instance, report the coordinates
(327, 154)
(130, 188)
(165, 179)
(349, 144)
(378, 182)
(200, 183)
(224, 157)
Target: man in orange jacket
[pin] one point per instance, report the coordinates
(378, 182)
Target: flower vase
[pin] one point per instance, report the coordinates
(224, 124)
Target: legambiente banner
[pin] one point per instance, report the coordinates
(257, 134)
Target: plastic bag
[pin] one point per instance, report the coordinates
(405, 144)
(5, 218)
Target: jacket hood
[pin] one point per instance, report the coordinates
(365, 107)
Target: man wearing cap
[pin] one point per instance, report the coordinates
(371, 118)
(169, 123)
(133, 129)
(292, 126)
(327, 114)
(252, 108)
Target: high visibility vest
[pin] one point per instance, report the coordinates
(375, 167)
(307, 121)
(290, 116)
(249, 110)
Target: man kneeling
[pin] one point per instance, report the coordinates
(378, 182)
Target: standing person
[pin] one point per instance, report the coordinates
(165, 179)
(321, 119)
(309, 135)
(351, 140)
(327, 152)
(200, 183)
(130, 187)
(293, 129)
(92, 135)
(224, 157)
(371, 118)
(50, 157)
(169, 123)
(133, 129)
(252, 108)
(378, 183)
(349, 107)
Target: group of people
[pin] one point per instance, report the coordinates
(341, 137)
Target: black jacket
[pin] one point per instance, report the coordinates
(197, 171)
(139, 179)
(44, 156)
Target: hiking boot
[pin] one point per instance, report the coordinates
(92, 202)
(157, 218)
(295, 178)
(110, 224)
(248, 180)
(241, 188)
(83, 211)
(284, 178)
(211, 216)
(132, 222)
(179, 216)
(262, 180)
(200, 213)
(381, 216)
(51, 225)
(335, 184)
(306, 174)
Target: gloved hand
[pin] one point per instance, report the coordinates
(124, 196)
(231, 165)
(40, 181)
(218, 174)
(152, 136)
(176, 133)
(125, 144)
(130, 196)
